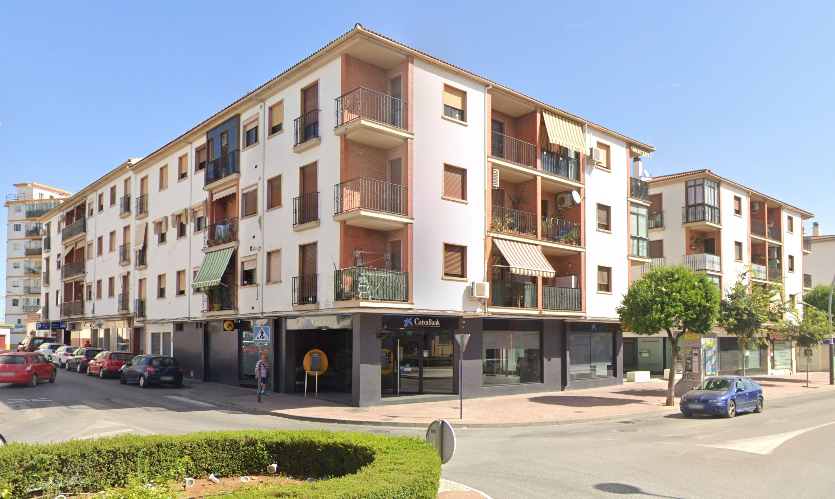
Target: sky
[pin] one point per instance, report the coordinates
(743, 88)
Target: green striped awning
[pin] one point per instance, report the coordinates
(214, 265)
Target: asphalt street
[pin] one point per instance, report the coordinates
(784, 452)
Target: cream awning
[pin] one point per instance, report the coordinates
(640, 152)
(564, 132)
(161, 224)
(524, 259)
(183, 212)
(141, 235)
(229, 191)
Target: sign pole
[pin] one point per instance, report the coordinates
(462, 340)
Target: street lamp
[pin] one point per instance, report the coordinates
(831, 337)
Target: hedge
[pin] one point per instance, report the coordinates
(359, 465)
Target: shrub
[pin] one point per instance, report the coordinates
(360, 465)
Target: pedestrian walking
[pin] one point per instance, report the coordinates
(262, 372)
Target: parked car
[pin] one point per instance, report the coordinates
(31, 343)
(725, 396)
(152, 369)
(60, 356)
(80, 358)
(108, 363)
(26, 367)
(47, 349)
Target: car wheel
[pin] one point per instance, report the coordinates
(88, 371)
(33, 381)
(78, 368)
(101, 374)
(67, 366)
(143, 383)
(53, 375)
(760, 406)
(730, 410)
(122, 379)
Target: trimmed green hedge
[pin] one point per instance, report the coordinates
(360, 465)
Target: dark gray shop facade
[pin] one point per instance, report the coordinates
(380, 358)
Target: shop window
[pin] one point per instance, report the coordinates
(511, 357)
(250, 352)
(592, 355)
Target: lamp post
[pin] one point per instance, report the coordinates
(831, 337)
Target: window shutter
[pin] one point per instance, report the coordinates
(311, 98)
(275, 192)
(276, 116)
(249, 264)
(454, 260)
(274, 266)
(454, 97)
(181, 280)
(309, 179)
(308, 260)
(602, 216)
(249, 202)
(453, 182)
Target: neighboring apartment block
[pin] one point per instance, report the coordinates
(24, 247)
(722, 229)
(818, 258)
(365, 206)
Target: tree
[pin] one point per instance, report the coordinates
(672, 299)
(808, 330)
(745, 311)
(818, 298)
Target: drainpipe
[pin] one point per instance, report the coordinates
(262, 269)
(190, 232)
(488, 181)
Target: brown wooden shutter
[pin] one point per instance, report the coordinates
(454, 182)
(201, 157)
(141, 290)
(309, 180)
(454, 260)
(396, 255)
(276, 114)
(307, 263)
(181, 280)
(311, 98)
(274, 266)
(656, 203)
(275, 192)
(250, 202)
(656, 249)
(454, 97)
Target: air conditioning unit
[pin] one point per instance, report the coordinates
(495, 178)
(596, 156)
(755, 207)
(564, 200)
(480, 290)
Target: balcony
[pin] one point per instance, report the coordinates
(305, 289)
(33, 250)
(47, 243)
(561, 166)
(123, 301)
(759, 229)
(703, 215)
(73, 230)
(39, 211)
(142, 206)
(639, 246)
(141, 258)
(561, 231)
(774, 273)
(807, 245)
(27, 270)
(124, 206)
(807, 281)
(45, 278)
(30, 309)
(34, 231)
(554, 298)
(372, 118)
(220, 298)
(139, 307)
(306, 131)
(31, 290)
(362, 283)
(372, 204)
(18, 197)
(656, 220)
(124, 254)
(224, 166)
(72, 269)
(223, 232)
(510, 221)
(72, 308)
(513, 294)
(640, 270)
(306, 208)
(638, 189)
(702, 261)
(759, 271)
(513, 150)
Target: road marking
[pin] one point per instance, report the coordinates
(190, 401)
(766, 444)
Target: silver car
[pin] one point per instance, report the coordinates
(47, 349)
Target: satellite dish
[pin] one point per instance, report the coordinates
(647, 174)
(576, 197)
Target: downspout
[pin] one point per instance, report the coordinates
(488, 181)
(262, 218)
(190, 232)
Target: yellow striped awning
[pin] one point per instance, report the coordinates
(564, 132)
(524, 259)
(640, 152)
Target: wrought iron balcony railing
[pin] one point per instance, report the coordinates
(306, 127)
(561, 166)
(306, 208)
(513, 294)
(72, 269)
(555, 298)
(72, 308)
(513, 221)
(222, 232)
(124, 253)
(124, 205)
(638, 189)
(371, 105)
(655, 220)
(222, 166)
(513, 150)
(305, 289)
(561, 231)
(700, 213)
(141, 257)
(370, 194)
(123, 300)
(74, 229)
(142, 205)
(362, 283)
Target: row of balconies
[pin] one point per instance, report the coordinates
(524, 295)
(522, 223)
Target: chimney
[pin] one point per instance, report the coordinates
(816, 229)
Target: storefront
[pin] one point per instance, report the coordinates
(593, 351)
(418, 355)
(651, 354)
(319, 349)
(755, 356)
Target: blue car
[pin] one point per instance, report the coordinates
(152, 369)
(725, 396)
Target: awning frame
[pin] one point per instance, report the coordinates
(525, 259)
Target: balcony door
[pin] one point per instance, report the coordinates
(396, 93)
(308, 270)
(143, 186)
(396, 255)
(497, 128)
(395, 201)
(710, 246)
(310, 98)
(308, 200)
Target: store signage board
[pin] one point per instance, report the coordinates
(691, 336)
(261, 334)
(59, 325)
(320, 322)
(42, 326)
(408, 322)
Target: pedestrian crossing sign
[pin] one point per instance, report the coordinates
(261, 334)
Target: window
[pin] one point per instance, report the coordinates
(163, 177)
(251, 133)
(200, 158)
(193, 277)
(161, 286)
(17, 227)
(605, 156)
(90, 209)
(15, 302)
(180, 224)
(455, 261)
(17, 264)
(455, 103)
(592, 354)
(274, 192)
(181, 282)
(511, 357)
(277, 118)
(182, 167)
(18, 209)
(790, 223)
(738, 251)
(112, 246)
(248, 272)
(57, 297)
(274, 266)
(604, 215)
(101, 203)
(161, 230)
(249, 203)
(98, 289)
(113, 196)
(89, 250)
(111, 287)
(199, 222)
(639, 230)
(100, 246)
(455, 183)
(604, 279)
(791, 263)
(737, 206)
(89, 291)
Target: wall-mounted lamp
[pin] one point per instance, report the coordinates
(382, 333)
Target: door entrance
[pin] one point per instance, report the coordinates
(417, 362)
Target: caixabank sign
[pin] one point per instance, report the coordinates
(420, 322)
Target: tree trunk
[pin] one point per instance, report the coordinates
(671, 382)
(742, 353)
(808, 361)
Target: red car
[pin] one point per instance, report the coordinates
(108, 363)
(26, 367)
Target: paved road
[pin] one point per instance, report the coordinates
(781, 453)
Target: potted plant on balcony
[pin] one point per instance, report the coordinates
(696, 242)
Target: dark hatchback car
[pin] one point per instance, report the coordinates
(724, 396)
(152, 369)
(80, 358)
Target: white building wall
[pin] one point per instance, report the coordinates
(793, 245)
(820, 264)
(734, 228)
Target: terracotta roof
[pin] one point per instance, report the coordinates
(677, 175)
(818, 238)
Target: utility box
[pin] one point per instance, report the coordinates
(696, 361)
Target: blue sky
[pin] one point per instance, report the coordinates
(742, 88)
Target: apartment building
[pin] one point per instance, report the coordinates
(24, 246)
(364, 206)
(818, 258)
(725, 229)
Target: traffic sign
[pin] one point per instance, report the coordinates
(261, 334)
(42, 326)
(442, 438)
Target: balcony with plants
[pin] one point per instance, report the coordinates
(220, 233)
(364, 283)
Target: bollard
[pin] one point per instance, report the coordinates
(213, 478)
(273, 468)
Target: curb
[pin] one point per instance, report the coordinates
(461, 486)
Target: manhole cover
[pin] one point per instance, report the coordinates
(627, 430)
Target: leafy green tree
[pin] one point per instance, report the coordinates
(745, 311)
(672, 299)
(808, 330)
(818, 298)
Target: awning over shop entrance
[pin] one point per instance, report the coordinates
(524, 259)
(564, 132)
(214, 264)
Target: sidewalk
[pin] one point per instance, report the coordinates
(552, 408)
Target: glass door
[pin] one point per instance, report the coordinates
(410, 364)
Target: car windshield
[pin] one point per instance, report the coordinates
(715, 385)
(121, 356)
(12, 359)
(91, 353)
(164, 362)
